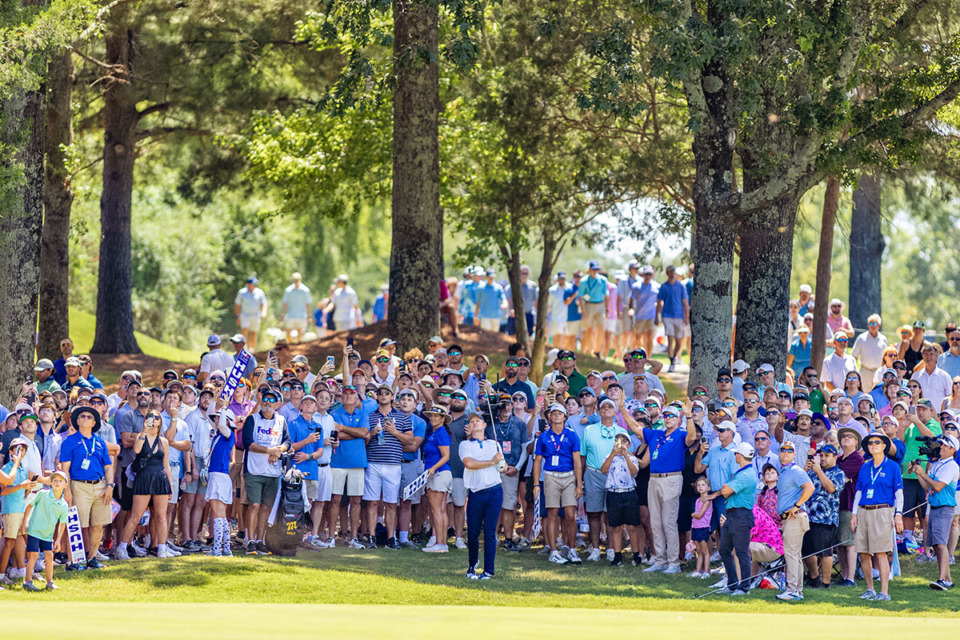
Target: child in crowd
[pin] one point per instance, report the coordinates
(767, 500)
(16, 483)
(701, 528)
(45, 513)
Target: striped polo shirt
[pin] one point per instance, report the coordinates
(391, 451)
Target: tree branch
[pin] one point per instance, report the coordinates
(160, 131)
(156, 108)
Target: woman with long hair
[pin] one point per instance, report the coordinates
(853, 386)
(151, 485)
(436, 451)
(890, 355)
(953, 400)
(911, 347)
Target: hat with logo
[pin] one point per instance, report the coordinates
(556, 406)
(745, 449)
(43, 364)
(739, 366)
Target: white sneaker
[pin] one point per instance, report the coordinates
(140, 552)
(432, 542)
(715, 557)
(120, 553)
(40, 564)
(671, 570)
(166, 552)
(573, 557)
(694, 574)
(442, 548)
(556, 558)
(461, 544)
(102, 557)
(720, 584)
(610, 555)
(356, 544)
(594, 556)
(654, 568)
(430, 548)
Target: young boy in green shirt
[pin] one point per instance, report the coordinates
(49, 510)
(15, 480)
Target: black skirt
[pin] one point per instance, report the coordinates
(152, 483)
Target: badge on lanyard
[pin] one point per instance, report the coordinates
(85, 464)
(555, 461)
(869, 494)
(507, 447)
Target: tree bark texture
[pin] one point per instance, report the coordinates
(57, 201)
(543, 303)
(513, 257)
(866, 251)
(763, 294)
(114, 332)
(415, 262)
(21, 218)
(831, 202)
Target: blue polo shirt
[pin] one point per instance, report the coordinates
(879, 485)
(666, 451)
(557, 449)
(15, 502)
(593, 289)
(489, 298)
(351, 454)
(801, 355)
(573, 309)
(721, 464)
(945, 471)
(419, 431)
(75, 449)
(299, 429)
(431, 449)
(744, 484)
(672, 296)
(790, 486)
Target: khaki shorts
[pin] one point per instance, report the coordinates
(594, 314)
(675, 328)
(347, 482)
(643, 325)
(845, 533)
(559, 492)
(761, 552)
(441, 482)
(510, 486)
(11, 525)
(90, 507)
(571, 328)
(874, 531)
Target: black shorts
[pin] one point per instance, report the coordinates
(528, 490)
(122, 492)
(623, 509)
(820, 539)
(685, 514)
(913, 495)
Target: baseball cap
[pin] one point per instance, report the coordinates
(670, 411)
(72, 362)
(805, 288)
(491, 272)
(552, 356)
(745, 449)
(925, 402)
(237, 338)
(739, 366)
(436, 340)
(802, 329)
(213, 340)
(845, 399)
(593, 264)
(386, 342)
(766, 367)
(608, 401)
(406, 392)
(646, 269)
(828, 448)
(723, 371)
(561, 274)
(252, 280)
(556, 406)
(60, 474)
(787, 446)
(805, 412)
(950, 441)
(725, 425)
(633, 264)
(43, 364)
(587, 390)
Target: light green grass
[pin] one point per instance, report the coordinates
(410, 577)
(83, 326)
(150, 620)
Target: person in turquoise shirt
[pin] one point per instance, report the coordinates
(739, 492)
(46, 511)
(598, 441)
(15, 480)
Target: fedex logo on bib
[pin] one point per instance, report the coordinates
(269, 432)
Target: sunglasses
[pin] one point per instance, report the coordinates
(383, 359)
(220, 380)
(760, 439)
(169, 376)
(269, 401)
(143, 393)
(844, 340)
(699, 393)
(413, 359)
(637, 357)
(384, 392)
(567, 359)
(724, 379)
(772, 412)
(610, 379)
(444, 394)
(285, 387)
(875, 442)
(128, 378)
(728, 405)
(97, 402)
(852, 379)
(190, 377)
(512, 365)
(913, 386)
(787, 449)
(697, 410)
(454, 353)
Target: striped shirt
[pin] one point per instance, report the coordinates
(391, 451)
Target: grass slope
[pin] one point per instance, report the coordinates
(83, 327)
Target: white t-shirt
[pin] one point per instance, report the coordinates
(250, 301)
(216, 360)
(344, 301)
(836, 368)
(869, 350)
(478, 479)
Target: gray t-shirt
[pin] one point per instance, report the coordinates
(132, 422)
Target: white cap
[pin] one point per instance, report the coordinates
(746, 450)
(213, 340)
(950, 441)
(739, 366)
(726, 425)
(805, 288)
(765, 367)
(552, 356)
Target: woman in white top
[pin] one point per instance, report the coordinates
(482, 461)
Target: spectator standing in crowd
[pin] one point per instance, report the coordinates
(40, 526)
(949, 360)
(798, 358)
(250, 308)
(836, 320)
(837, 364)
(491, 302)
(574, 312)
(911, 346)
(557, 321)
(557, 452)
(821, 540)
(380, 304)
(45, 379)
(344, 307)
(597, 443)
(622, 501)
(265, 439)
(593, 297)
(390, 429)
(737, 521)
(794, 488)
(295, 313)
(643, 302)
(59, 365)
(673, 306)
(869, 347)
(941, 482)
(850, 461)
(936, 383)
(625, 315)
(216, 359)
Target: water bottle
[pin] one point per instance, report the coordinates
(379, 433)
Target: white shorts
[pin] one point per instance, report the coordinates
(295, 323)
(490, 324)
(675, 327)
(557, 328)
(612, 325)
(324, 485)
(250, 323)
(350, 480)
(219, 487)
(382, 480)
(509, 485)
(441, 482)
(410, 471)
(458, 493)
(175, 490)
(571, 328)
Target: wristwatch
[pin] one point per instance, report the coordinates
(111, 484)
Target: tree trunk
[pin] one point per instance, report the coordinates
(512, 256)
(831, 202)
(543, 303)
(114, 332)
(415, 269)
(21, 204)
(763, 300)
(57, 201)
(866, 251)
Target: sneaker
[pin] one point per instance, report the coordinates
(442, 548)
(654, 568)
(101, 556)
(882, 597)
(432, 542)
(356, 544)
(720, 584)
(153, 551)
(60, 558)
(694, 574)
(52, 586)
(226, 553)
(430, 549)
(789, 596)
(616, 562)
(94, 564)
(923, 557)
(213, 554)
(556, 558)
(715, 557)
(485, 576)
(403, 545)
(76, 567)
(845, 583)
(637, 560)
(165, 552)
(393, 544)
(138, 551)
(594, 556)
(941, 585)
(174, 546)
(369, 542)
(460, 544)
(544, 551)
(523, 544)
(251, 548)
(472, 575)
(610, 554)
(739, 592)
(262, 549)
(869, 594)
(18, 574)
(814, 583)
(573, 557)
(29, 586)
(671, 570)
(6, 581)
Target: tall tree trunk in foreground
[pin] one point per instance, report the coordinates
(866, 251)
(547, 264)
(415, 269)
(21, 217)
(114, 332)
(57, 201)
(831, 202)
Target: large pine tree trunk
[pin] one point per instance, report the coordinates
(831, 202)
(415, 259)
(547, 264)
(866, 251)
(114, 284)
(516, 295)
(763, 294)
(21, 217)
(57, 201)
